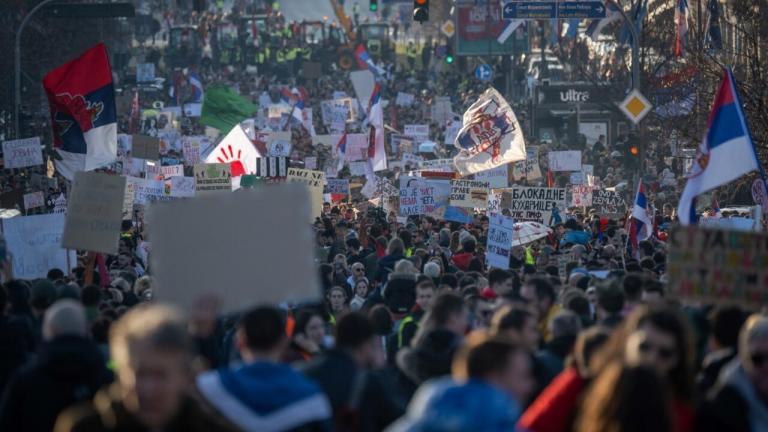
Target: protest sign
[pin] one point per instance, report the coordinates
(145, 72)
(315, 181)
(128, 198)
(362, 82)
(441, 110)
(529, 168)
(500, 231)
(95, 212)
(357, 147)
(22, 153)
(269, 167)
(537, 204)
(430, 198)
(164, 172)
(712, 265)
(338, 111)
(440, 165)
(400, 145)
(357, 168)
(577, 178)
(310, 162)
(145, 147)
(582, 196)
(730, 223)
(146, 190)
(212, 178)
(181, 187)
(34, 200)
(226, 228)
(41, 182)
(419, 132)
(404, 99)
(469, 193)
(194, 147)
(452, 131)
(495, 177)
(494, 201)
(35, 242)
(569, 160)
(608, 203)
(337, 186)
(59, 204)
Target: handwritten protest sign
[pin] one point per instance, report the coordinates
(155, 170)
(145, 147)
(431, 198)
(182, 187)
(569, 160)
(500, 231)
(404, 99)
(535, 204)
(34, 200)
(357, 168)
(469, 193)
(95, 212)
(495, 177)
(146, 191)
(145, 72)
(315, 182)
(227, 227)
(419, 132)
(337, 186)
(452, 131)
(35, 242)
(441, 110)
(608, 203)
(357, 147)
(712, 265)
(582, 196)
(440, 165)
(22, 153)
(529, 168)
(128, 198)
(310, 162)
(191, 149)
(212, 178)
(494, 201)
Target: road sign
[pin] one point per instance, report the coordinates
(484, 72)
(635, 106)
(448, 28)
(552, 9)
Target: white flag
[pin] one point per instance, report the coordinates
(490, 136)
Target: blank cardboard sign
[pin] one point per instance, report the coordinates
(250, 247)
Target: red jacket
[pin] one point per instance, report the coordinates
(554, 409)
(462, 260)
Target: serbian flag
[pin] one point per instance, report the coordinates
(298, 105)
(726, 152)
(364, 61)
(640, 224)
(376, 154)
(341, 152)
(83, 112)
(681, 27)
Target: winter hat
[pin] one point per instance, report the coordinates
(432, 269)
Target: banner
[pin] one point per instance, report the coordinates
(469, 193)
(500, 231)
(22, 153)
(315, 181)
(337, 186)
(419, 132)
(707, 265)
(35, 242)
(565, 160)
(94, 214)
(529, 168)
(181, 187)
(537, 204)
(608, 203)
(212, 178)
(430, 198)
(582, 196)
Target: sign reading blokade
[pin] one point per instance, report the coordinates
(716, 265)
(537, 204)
(315, 181)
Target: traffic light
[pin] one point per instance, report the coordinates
(373, 5)
(421, 10)
(632, 161)
(449, 53)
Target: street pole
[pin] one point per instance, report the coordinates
(17, 66)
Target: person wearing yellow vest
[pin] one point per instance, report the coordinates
(337, 304)
(425, 298)
(540, 294)
(411, 51)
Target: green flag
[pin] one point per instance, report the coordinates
(223, 108)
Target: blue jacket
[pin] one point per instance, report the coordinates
(265, 396)
(446, 406)
(575, 237)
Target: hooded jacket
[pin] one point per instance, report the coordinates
(431, 357)
(67, 370)
(462, 260)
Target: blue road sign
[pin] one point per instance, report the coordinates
(484, 72)
(552, 9)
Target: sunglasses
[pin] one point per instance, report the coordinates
(664, 353)
(759, 359)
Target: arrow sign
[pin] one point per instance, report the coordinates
(551, 9)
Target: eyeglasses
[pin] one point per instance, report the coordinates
(664, 353)
(759, 359)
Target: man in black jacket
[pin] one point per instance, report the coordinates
(14, 346)
(69, 368)
(358, 396)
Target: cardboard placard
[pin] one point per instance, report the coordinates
(337, 186)
(608, 203)
(35, 242)
(469, 193)
(94, 213)
(713, 265)
(145, 147)
(582, 196)
(315, 182)
(535, 204)
(495, 177)
(500, 232)
(529, 168)
(226, 227)
(213, 178)
(22, 153)
(569, 160)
